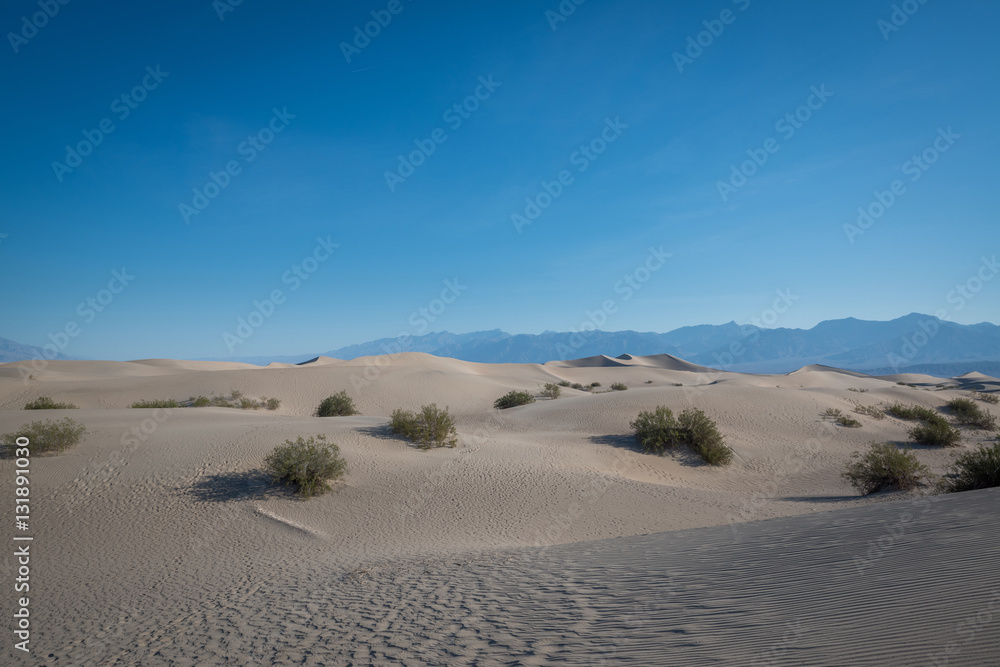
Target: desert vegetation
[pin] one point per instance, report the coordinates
(658, 431)
(978, 469)
(618, 386)
(46, 403)
(842, 419)
(551, 390)
(307, 464)
(968, 413)
(338, 405)
(46, 437)
(430, 428)
(236, 400)
(986, 398)
(873, 411)
(885, 466)
(512, 399)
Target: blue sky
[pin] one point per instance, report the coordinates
(661, 132)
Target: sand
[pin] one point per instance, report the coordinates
(545, 536)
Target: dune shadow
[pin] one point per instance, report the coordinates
(229, 486)
(380, 431)
(682, 455)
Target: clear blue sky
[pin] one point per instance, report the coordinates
(893, 93)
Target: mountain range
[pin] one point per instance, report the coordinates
(915, 342)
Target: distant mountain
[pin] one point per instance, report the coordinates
(847, 343)
(14, 351)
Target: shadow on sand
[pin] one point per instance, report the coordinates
(229, 486)
(682, 455)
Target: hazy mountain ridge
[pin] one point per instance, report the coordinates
(887, 347)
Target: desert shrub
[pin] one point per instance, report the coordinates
(884, 466)
(236, 394)
(512, 399)
(855, 389)
(272, 403)
(618, 386)
(248, 404)
(46, 403)
(704, 438)
(833, 412)
(678, 384)
(577, 385)
(873, 411)
(848, 421)
(564, 383)
(223, 402)
(658, 431)
(309, 464)
(551, 390)
(200, 402)
(988, 398)
(167, 403)
(936, 433)
(978, 469)
(429, 428)
(969, 413)
(911, 412)
(595, 384)
(649, 382)
(46, 436)
(338, 405)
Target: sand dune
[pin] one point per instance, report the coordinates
(545, 536)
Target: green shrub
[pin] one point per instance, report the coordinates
(167, 403)
(46, 403)
(272, 403)
(969, 413)
(841, 418)
(577, 385)
(512, 399)
(46, 436)
(551, 390)
(200, 402)
(595, 384)
(429, 428)
(937, 433)
(988, 398)
(618, 386)
(884, 466)
(309, 464)
(248, 404)
(978, 469)
(873, 411)
(678, 384)
(338, 405)
(658, 431)
(911, 412)
(564, 383)
(703, 436)
(855, 389)
(236, 394)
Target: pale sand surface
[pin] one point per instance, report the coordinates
(175, 550)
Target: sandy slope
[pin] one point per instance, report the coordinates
(173, 546)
